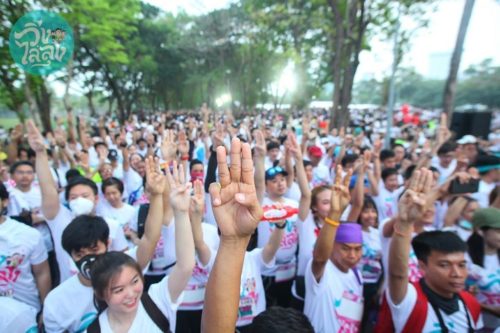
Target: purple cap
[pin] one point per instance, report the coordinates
(349, 233)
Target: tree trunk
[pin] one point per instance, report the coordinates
(90, 101)
(451, 82)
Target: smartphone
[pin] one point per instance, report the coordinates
(470, 187)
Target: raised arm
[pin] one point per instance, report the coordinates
(196, 210)
(358, 195)
(184, 244)
(15, 138)
(155, 182)
(411, 207)
(305, 191)
(50, 197)
(339, 201)
(237, 212)
(272, 246)
(258, 159)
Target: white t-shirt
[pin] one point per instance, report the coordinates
(370, 265)
(414, 274)
(456, 322)
(160, 295)
(194, 293)
(483, 193)
(123, 215)
(164, 255)
(252, 294)
(308, 234)
(387, 202)
(444, 173)
(133, 184)
(285, 257)
(335, 303)
(20, 248)
(321, 175)
(487, 279)
(17, 317)
(293, 192)
(70, 306)
(64, 217)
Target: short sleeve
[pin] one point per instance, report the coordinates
(39, 253)
(313, 286)
(401, 312)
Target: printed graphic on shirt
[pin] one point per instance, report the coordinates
(371, 266)
(159, 261)
(85, 321)
(414, 272)
(9, 272)
(487, 283)
(349, 310)
(248, 300)
(291, 236)
(194, 294)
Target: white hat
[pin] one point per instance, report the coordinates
(467, 139)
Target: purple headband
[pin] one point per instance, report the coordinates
(349, 233)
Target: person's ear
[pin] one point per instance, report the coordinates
(422, 267)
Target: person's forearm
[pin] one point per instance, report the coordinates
(259, 177)
(222, 296)
(399, 253)
(50, 197)
(168, 213)
(184, 253)
(357, 197)
(152, 231)
(324, 244)
(200, 246)
(289, 170)
(12, 152)
(272, 245)
(43, 281)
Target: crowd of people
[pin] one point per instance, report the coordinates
(199, 221)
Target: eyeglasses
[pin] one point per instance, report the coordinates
(274, 171)
(20, 172)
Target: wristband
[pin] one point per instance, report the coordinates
(331, 222)
(399, 233)
(281, 226)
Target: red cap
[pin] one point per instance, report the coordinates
(315, 151)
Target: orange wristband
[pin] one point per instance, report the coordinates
(331, 222)
(399, 233)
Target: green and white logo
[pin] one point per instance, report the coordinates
(41, 42)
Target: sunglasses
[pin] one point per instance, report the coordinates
(274, 171)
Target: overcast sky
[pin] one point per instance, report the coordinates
(482, 37)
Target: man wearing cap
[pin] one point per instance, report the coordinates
(334, 288)
(468, 145)
(488, 167)
(321, 174)
(484, 264)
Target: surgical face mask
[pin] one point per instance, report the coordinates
(196, 175)
(84, 265)
(81, 206)
(465, 224)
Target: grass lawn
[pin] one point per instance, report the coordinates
(7, 122)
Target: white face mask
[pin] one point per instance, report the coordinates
(81, 206)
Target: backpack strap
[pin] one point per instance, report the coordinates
(94, 327)
(155, 313)
(472, 305)
(418, 315)
(141, 219)
(416, 320)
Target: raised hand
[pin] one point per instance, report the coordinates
(294, 147)
(413, 203)
(197, 206)
(260, 148)
(35, 138)
(155, 180)
(340, 194)
(169, 146)
(179, 188)
(183, 143)
(234, 200)
(17, 133)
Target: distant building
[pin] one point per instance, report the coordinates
(439, 65)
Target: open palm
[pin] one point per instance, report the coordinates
(235, 204)
(340, 194)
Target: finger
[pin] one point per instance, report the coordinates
(347, 178)
(338, 175)
(251, 203)
(148, 169)
(428, 181)
(247, 172)
(198, 188)
(214, 191)
(175, 172)
(223, 170)
(414, 180)
(182, 174)
(235, 170)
